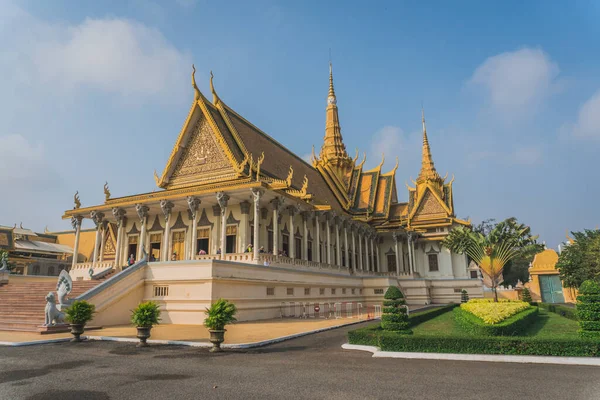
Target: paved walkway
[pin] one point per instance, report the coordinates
(311, 367)
(242, 332)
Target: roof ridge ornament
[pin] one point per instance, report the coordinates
(106, 191)
(197, 93)
(76, 201)
(216, 98)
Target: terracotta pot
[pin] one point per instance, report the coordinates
(216, 338)
(143, 333)
(76, 331)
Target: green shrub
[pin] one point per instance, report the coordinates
(567, 312)
(219, 314)
(146, 315)
(464, 296)
(80, 312)
(368, 336)
(511, 326)
(394, 316)
(526, 295)
(588, 309)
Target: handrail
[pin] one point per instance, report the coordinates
(102, 273)
(113, 280)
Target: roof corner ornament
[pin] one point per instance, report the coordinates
(106, 191)
(395, 166)
(363, 160)
(313, 157)
(304, 186)
(156, 179)
(355, 157)
(212, 89)
(242, 166)
(259, 162)
(382, 160)
(196, 90)
(288, 180)
(76, 201)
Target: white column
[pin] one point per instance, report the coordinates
(366, 236)
(360, 257)
(244, 226)
(304, 235)
(142, 212)
(328, 227)
(346, 245)
(256, 194)
(97, 217)
(76, 223)
(354, 258)
(338, 247)
(103, 240)
(216, 235)
(222, 199)
(275, 204)
(119, 215)
(373, 265)
(166, 207)
(193, 204)
(317, 248)
(396, 237)
(292, 239)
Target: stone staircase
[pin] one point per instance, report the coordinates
(22, 305)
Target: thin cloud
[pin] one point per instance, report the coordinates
(587, 125)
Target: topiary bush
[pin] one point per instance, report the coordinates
(464, 296)
(526, 296)
(395, 317)
(588, 309)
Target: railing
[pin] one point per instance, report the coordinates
(82, 270)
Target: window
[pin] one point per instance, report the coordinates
(359, 291)
(155, 239)
(177, 245)
(322, 291)
(270, 291)
(270, 241)
(391, 262)
(307, 291)
(231, 232)
(310, 256)
(353, 291)
(298, 248)
(332, 291)
(290, 291)
(344, 291)
(378, 291)
(285, 245)
(50, 271)
(203, 240)
(457, 290)
(161, 291)
(433, 262)
(132, 246)
(474, 275)
(36, 270)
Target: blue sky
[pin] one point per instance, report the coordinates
(98, 91)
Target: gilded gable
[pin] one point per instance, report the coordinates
(430, 207)
(202, 159)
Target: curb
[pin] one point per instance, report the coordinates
(587, 361)
(187, 343)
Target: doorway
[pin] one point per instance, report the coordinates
(178, 240)
(155, 239)
(551, 288)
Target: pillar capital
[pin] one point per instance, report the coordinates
(166, 206)
(142, 211)
(222, 199)
(305, 215)
(76, 221)
(119, 215)
(193, 203)
(257, 193)
(245, 207)
(277, 204)
(97, 217)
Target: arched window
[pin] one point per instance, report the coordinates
(50, 271)
(36, 269)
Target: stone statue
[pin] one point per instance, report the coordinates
(4, 264)
(63, 288)
(52, 315)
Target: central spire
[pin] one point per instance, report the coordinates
(333, 149)
(428, 172)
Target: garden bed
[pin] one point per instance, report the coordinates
(549, 334)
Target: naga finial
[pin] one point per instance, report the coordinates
(395, 166)
(382, 160)
(259, 162)
(355, 157)
(156, 179)
(212, 89)
(304, 186)
(569, 238)
(363, 160)
(288, 180)
(240, 168)
(196, 90)
(106, 191)
(76, 200)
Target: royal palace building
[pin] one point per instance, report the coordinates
(238, 215)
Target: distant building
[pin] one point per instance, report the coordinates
(34, 253)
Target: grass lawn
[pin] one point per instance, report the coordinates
(548, 325)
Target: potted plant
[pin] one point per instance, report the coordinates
(78, 314)
(144, 317)
(221, 313)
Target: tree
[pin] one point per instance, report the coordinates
(526, 296)
(580, 260)
(394, 316)
(493, 246)
(464, 296)
(4, 258)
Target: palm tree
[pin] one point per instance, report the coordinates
(494, 249)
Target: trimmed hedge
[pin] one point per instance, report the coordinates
(394, 316)
(588, 309)
(511, 326)
(567, 312)
(421, 316)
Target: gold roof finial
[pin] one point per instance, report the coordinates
(76, 201)
(196, 90)
(212, 89)
(428, 171)
(331, 90)
(106, 191)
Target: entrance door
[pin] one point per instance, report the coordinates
(551, 288)
(178, 240)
